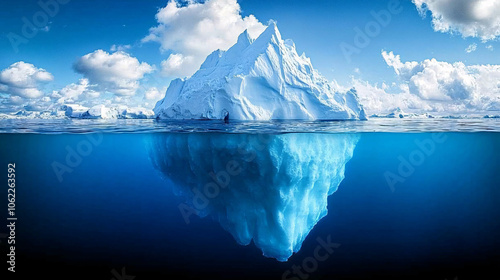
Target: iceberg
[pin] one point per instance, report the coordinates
(271, 189)
(31, 115)
(100, 112)
(74, 110)
(261, 79)
(103, 112)
(137, 113)
(398, 113)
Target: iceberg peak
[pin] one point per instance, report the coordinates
(261, 79)
(244, 39)
(271, 34)
(212, 59)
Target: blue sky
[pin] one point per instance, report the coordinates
(318, 28)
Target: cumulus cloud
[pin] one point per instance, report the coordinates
(193, 31)
(23, 80)
(471, 48)
(470, 18)
(75, 92)
(178, 65)
(121, 48)
(118, 73)
(153, 94)
(16, 100)
(377, 100)
(445, 87)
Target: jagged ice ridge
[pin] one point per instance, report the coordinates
(262, 79)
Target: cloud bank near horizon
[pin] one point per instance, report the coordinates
(435, 87)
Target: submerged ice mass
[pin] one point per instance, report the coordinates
(262, 79)
(269, 189)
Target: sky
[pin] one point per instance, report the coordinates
(418, 55)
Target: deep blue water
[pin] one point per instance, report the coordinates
(115, 210)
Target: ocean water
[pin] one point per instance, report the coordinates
(419, 200)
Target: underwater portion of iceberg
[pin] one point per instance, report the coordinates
(271, 189)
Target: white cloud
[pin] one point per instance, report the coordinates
(176, 65)
(447, 87)
(120, 48)
(490, 47)
(470, 18)
(74, 92)
(16, 100)
(404, 70)
(24, 80)
(195, 30)
(118, 73)
(471, 48)
(377, 100)
(153, 94)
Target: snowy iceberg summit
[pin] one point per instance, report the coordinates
(262, 79)
(271, 189)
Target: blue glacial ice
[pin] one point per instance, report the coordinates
(270, 189)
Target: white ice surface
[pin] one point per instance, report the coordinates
(262, 79)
